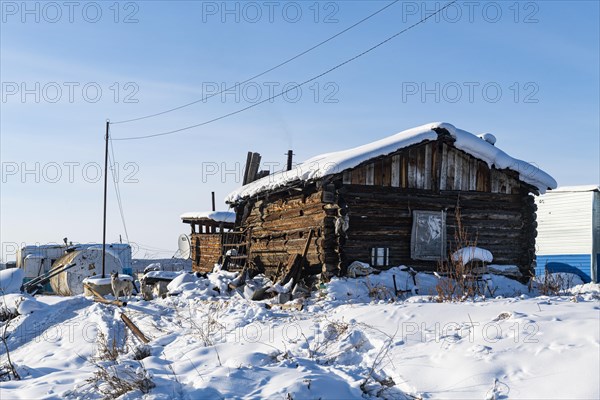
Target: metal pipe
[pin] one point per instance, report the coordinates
(290, 155)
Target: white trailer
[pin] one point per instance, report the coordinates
(36, 260)
(569, 231)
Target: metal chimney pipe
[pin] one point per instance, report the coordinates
(290, 155)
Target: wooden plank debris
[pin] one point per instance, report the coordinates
(136, 331)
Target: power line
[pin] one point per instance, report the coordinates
(117, 189)
(294, 87)
(262, 73)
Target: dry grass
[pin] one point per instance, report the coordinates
(379, 291)
(105, 350)
(115, 376)
(8, 371)
(458, 281)
(114, 380)
(554, 284)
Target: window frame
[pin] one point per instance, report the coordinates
(418, 252)
(376, 256)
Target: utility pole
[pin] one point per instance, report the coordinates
(105, 189)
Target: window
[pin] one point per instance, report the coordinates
(380, 256)
(428, 239)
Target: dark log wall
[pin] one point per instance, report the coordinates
(380, 195)
(280, 225)
(382, 217)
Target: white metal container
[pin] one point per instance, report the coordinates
(88, 263)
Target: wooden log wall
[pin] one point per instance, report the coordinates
(206, 251)
(280, 227)
(382, 217)
(380, 195)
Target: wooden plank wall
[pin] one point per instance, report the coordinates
(433, 166)
(206, 250)
(382, 217)
(280, 226)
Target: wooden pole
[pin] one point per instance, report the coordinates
(246, 169)
(102, 300)
(134, 328)
(105, 190)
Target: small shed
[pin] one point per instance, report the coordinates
(569, 231)
(395, 201)
(208, 237)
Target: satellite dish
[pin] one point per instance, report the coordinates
(184, 245)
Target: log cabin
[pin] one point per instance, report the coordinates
(394, 202)
(207, 237)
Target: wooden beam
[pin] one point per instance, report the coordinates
(136, 331)
(101, 299)
(117, 303)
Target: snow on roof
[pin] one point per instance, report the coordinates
(333, 163)
(219, 216)
(579, 188)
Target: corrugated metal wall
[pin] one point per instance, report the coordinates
(569, 230)
(564, 223)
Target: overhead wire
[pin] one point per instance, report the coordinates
(262, 73)
(113, 166)
(381, 43)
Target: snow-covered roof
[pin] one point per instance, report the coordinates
(333, 163)
(579, 188)
(218, 216)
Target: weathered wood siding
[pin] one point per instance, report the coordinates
(280, 225)
(433, 166)
(206, 251)
(379, 197)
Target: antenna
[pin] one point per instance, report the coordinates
(213, 201)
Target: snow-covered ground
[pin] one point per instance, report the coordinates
(353, 339)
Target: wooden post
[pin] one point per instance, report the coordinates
(253, 169)
(248, 160)
(310, 235)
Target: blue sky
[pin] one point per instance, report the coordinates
(526, 71)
